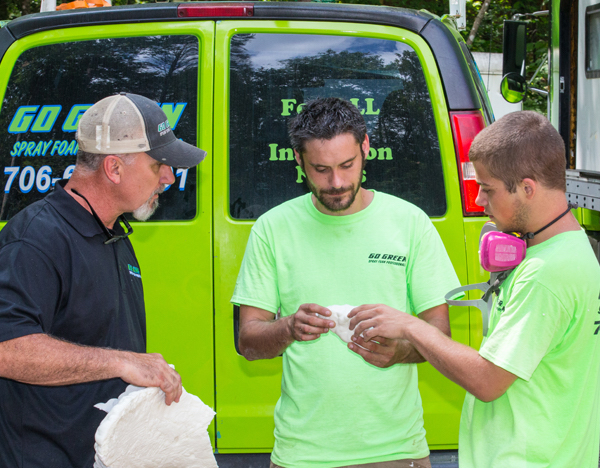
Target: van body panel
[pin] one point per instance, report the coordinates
(175, 256)
(475, 274)
(247, 391)
(460, 92)
(30, 24)
(190, 260)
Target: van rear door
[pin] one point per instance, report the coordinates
(48, 80)
(264, 71)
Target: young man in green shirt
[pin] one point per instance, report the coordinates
(323, 249)
(533, 398)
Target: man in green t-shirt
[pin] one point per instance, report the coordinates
(533, 398)
(341, 245)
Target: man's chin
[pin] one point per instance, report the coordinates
(336, 203)
(144, 212)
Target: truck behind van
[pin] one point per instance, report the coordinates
(573, 94)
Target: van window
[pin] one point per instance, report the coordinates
(51, 86)
(271, 75)
(592, 41)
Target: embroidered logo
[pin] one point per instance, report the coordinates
(134, 271)
(164, 128)
(389, 259)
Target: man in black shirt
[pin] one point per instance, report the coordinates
(72, 317)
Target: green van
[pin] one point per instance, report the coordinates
(228, 76)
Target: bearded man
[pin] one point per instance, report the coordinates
(338, 409)
(72, 315)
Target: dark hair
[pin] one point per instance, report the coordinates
(522, 145)
(324, 119)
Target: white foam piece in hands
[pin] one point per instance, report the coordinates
(141, 431)
(339, 314)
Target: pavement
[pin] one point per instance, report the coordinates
(439, 459)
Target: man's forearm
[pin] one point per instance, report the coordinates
(265, 339)
(413, 356)
(458, 362)
(42, 360)
(408, 354)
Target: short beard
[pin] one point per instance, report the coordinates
(519, 219)
(144, 212)
(335, 206)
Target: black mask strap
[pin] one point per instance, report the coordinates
(530, 235)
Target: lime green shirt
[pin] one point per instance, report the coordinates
(544, 329)
(335, 409)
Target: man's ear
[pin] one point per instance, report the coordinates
(529, 187)
(113, 168)
(298, 158)
(365, 145)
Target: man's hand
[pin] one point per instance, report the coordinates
(382, 352)
(263, 337)
(306, 326)
(382, 331)
(150, 370)
(40, 359)
(379, 320)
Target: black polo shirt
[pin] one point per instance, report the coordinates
(58, 277)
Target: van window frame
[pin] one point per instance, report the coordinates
(432, 77)
(94, 33)
(592, 11)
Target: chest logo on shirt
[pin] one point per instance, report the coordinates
(134, 271)
(388, 259)
(597, 322)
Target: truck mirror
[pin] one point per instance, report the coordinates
(514, 47)
(513, 87)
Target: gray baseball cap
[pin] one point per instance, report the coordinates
(130, 123)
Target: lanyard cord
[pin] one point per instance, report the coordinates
(495, 283)
(530, 235)
(111, 238)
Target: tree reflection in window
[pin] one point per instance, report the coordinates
(384, 78)
(162, 68)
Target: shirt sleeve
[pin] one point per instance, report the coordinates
(430, 274)
(29, 291)
(256, 284)
(531, 323)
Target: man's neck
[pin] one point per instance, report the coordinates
(87, 188)
(564, 224)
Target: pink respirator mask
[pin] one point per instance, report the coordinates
(499, 253)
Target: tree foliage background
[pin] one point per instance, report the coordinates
(489, 34)
(488, 38)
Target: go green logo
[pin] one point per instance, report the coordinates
(134, 271)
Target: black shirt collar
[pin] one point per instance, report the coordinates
(76, 215)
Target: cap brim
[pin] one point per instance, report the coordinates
(178, 154)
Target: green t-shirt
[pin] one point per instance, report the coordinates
(543, 329)
(335, 409)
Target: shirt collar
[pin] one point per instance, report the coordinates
(76, 215)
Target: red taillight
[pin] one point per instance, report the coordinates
(217, 10)
(465, 126)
